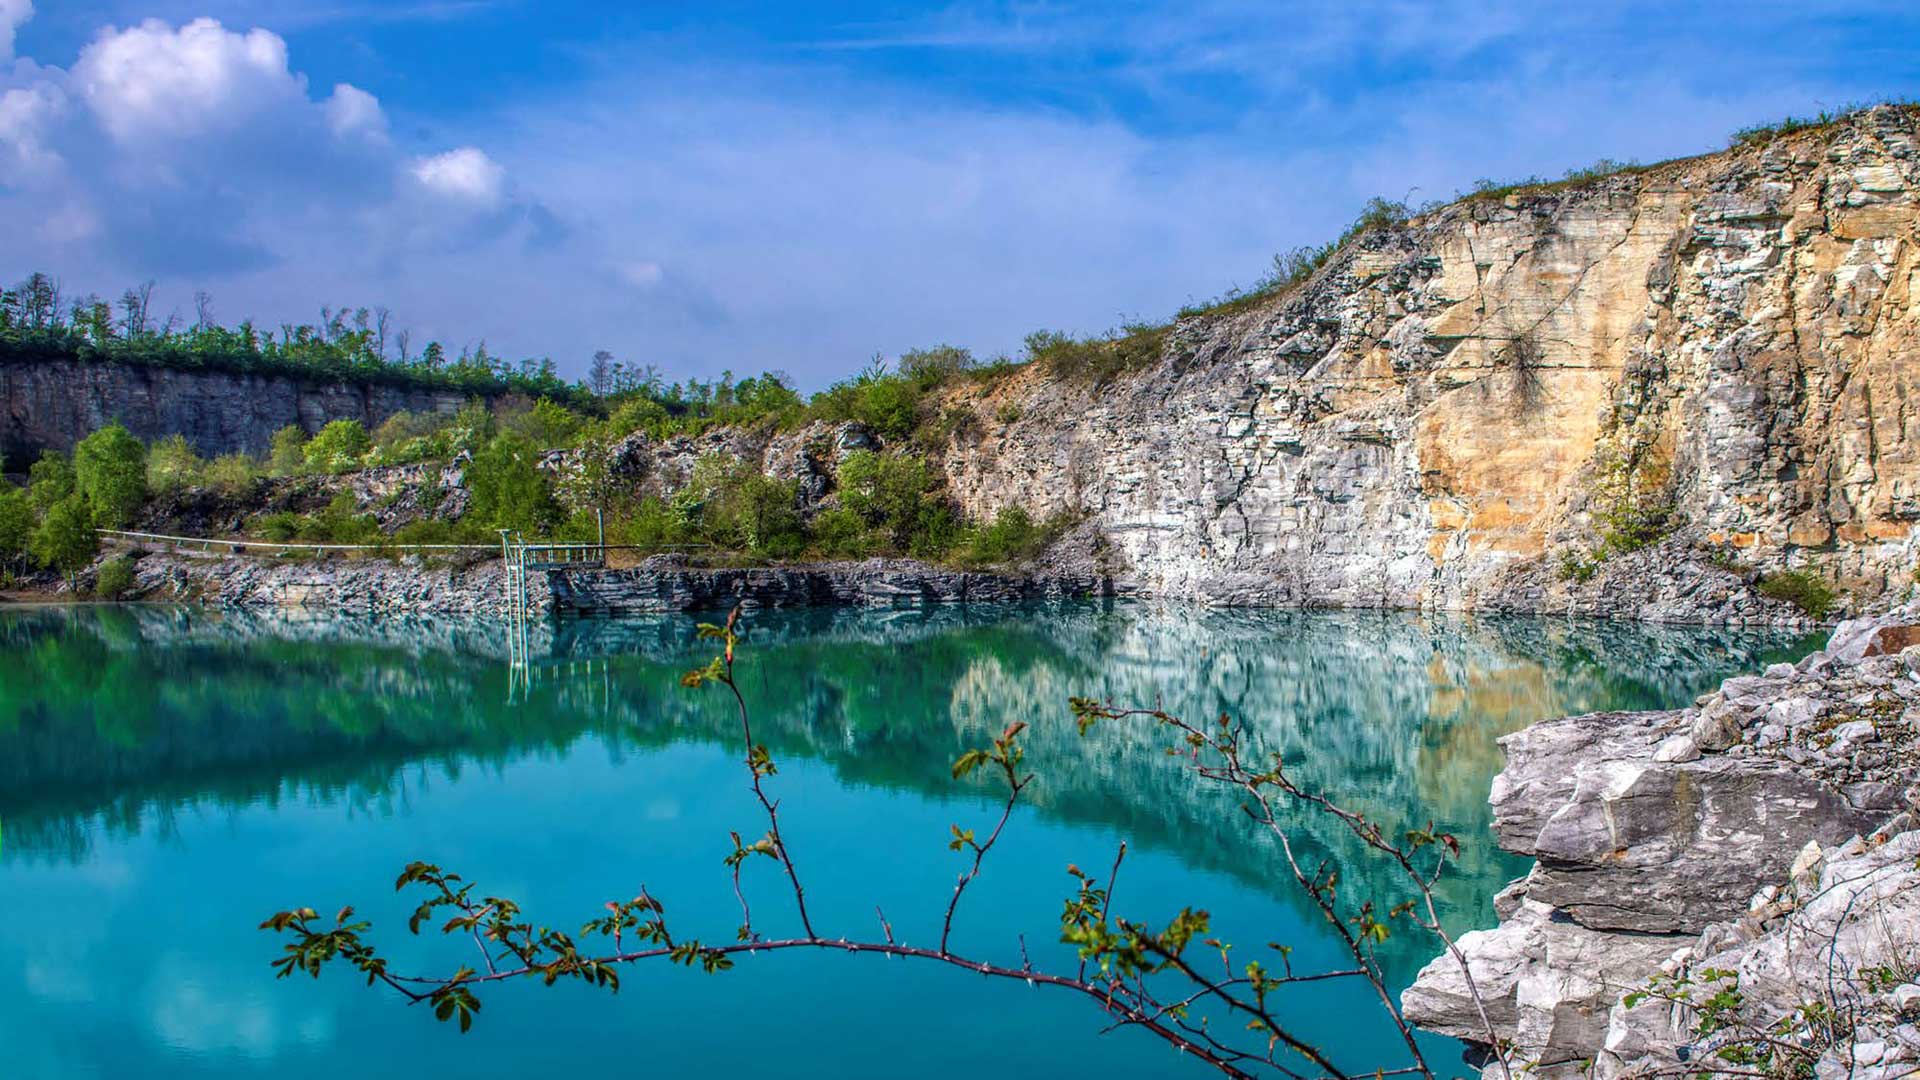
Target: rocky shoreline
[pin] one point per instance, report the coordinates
(471, 585)
(1762, 843)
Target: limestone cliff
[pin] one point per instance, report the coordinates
(1433, 417)
(52, 405)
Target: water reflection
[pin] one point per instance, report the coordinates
(117, 721)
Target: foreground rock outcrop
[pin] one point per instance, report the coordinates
(1763, 841)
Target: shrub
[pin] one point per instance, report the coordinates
(172, 464)
(110, 471)
(279, 527)
(653, 526)
(931, 367)
(235, 476)
(842, 534)
(115, 579)
(1578, 566)
(341, 522)
(1010, 537)
(338, 448)
(508, 489)
(287, 453)
(1806, 591)
(1098, 359)
(890, 492)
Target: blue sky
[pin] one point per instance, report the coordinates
(798, 187)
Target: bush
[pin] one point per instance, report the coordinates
(653, 526)
(287, 454)
(279, 527)
(891, 493)
(928, 368)
(338, 448)
(172, 464)
(842, 534)
(110, 471)
(235, 476)
(1133, 347)
(1804, 590)
(508, 489)
(115, 579)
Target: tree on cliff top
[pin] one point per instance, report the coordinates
(110, 472)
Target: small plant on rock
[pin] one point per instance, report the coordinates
(1804, 590)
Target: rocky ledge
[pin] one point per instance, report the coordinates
(1761, 844)
(660, 584)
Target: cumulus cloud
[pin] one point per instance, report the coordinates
(155, 81)
(464, 175)
(26, 116)
(352, 112)
(13, 14)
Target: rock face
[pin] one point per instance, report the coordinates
(1432, 420)
(1451, 410)
(471, 584)
(1667, 839)
(49, 405)
(664, 585)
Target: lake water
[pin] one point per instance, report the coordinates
(170, 776)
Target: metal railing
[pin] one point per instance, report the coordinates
(241, 545)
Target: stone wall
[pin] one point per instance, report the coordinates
(52, 405)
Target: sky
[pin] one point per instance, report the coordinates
(799, 187)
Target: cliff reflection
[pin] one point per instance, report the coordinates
(116, 720)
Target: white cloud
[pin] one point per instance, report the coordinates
(13, 15)
(465, 175)
(153, 81)
(352, 111)
(26, 115)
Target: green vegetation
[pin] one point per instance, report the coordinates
(1762, 134)
(1294, 268)
(110, 473)
(1808, 592)
(65, 541)
(115, 578)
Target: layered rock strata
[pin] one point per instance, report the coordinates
(1714, 838)
(470, 584)
(54, 404)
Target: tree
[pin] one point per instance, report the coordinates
(50, 479)
(508, 489)
(65, 541)
(16, 524)
(600, 374)
(339, 447)
(110, 472)
(892, 492)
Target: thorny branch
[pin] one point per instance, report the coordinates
(1121, 962)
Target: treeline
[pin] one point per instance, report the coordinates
(891, 503)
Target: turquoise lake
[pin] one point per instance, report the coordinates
(171, 776)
